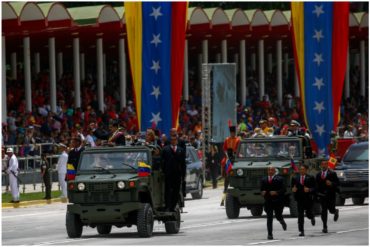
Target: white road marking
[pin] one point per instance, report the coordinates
(27, 215)
(64, 241)
(265, 242)
(353, 230)
(219, 223)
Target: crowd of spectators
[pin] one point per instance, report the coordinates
(43, 126)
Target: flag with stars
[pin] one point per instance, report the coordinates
(156, 42)
(320, 38)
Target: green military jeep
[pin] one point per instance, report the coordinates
(253, 157)
(108, 191)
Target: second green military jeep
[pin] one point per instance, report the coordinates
(251, 162)
(110, 189)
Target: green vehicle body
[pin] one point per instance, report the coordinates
(247, 172)
(102, 204)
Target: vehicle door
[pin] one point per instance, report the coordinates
(191, 168)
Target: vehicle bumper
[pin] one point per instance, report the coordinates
(354, 189)
(103, 213)
(247, 197)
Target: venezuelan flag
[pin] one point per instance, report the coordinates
(144, 169)
(228, 166)
(320, 38)
(156, 42)
(71, 172)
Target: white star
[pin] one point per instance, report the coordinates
(322, 152)
(156, 92)
(318, 35)
(156, 118)
(155, 66)
(156, 12)
(156, 40)
(320, 129)
(318, 10)
(318, 83)
(318, 59)
(319, 106)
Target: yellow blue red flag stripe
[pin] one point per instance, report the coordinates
(321, 54)
(156, 39)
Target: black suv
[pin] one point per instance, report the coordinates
(353, 174)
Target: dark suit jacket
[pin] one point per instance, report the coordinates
(74, 157)
(173, 164)
(277, 185)
(309, 182)
(325, 190)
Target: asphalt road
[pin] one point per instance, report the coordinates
(204, 223)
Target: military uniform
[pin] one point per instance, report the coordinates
(46, 177)
(12, 170)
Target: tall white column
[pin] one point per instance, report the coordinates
(122, 72)
(286, 65)
(60, 65)
(279, 67)
(243, 73)
(205, 51)
(346, 82)
(236, 61)
(27, 73)
(76, 70)
(100, 68)
(37, 63)
(253, 62)
(218, 58)
(52, 73)
(261, 68)
(186, 73)
(104, 70)
(82, 58)
(4, 112)
(362, 68)
(224, 51)
(296, 84)
(269, 62)
(13, 61)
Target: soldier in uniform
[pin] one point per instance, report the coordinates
(327, 186)
(46, 176)
(231, 143)
(303, 187)
(273, 190)
(62, 169)
(12, 170)
(174, 168)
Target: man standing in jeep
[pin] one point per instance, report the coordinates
(174, 168)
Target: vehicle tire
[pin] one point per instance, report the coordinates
(104, 229)
(256, 210)
(358, 200)
(173, 227)
(199, 193)
(316, 208)
(339, 201)
(145, 220)
(232, 207)
(73, 225)
(293, 207)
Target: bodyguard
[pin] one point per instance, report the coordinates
(303, 187)
(327, 186)
(273, 190)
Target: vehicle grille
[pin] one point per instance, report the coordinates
(251, 178)
(100, 187)
(357, 175)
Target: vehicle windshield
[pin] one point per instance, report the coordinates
(112, 160)
(270, 150)
(357, 154)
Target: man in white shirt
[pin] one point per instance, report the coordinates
(62, 170)
(12, 170)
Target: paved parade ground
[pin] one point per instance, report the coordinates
(204, 223)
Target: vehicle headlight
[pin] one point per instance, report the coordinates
(239, 172)
(341, 174)
(121, 185)
(81, 186)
